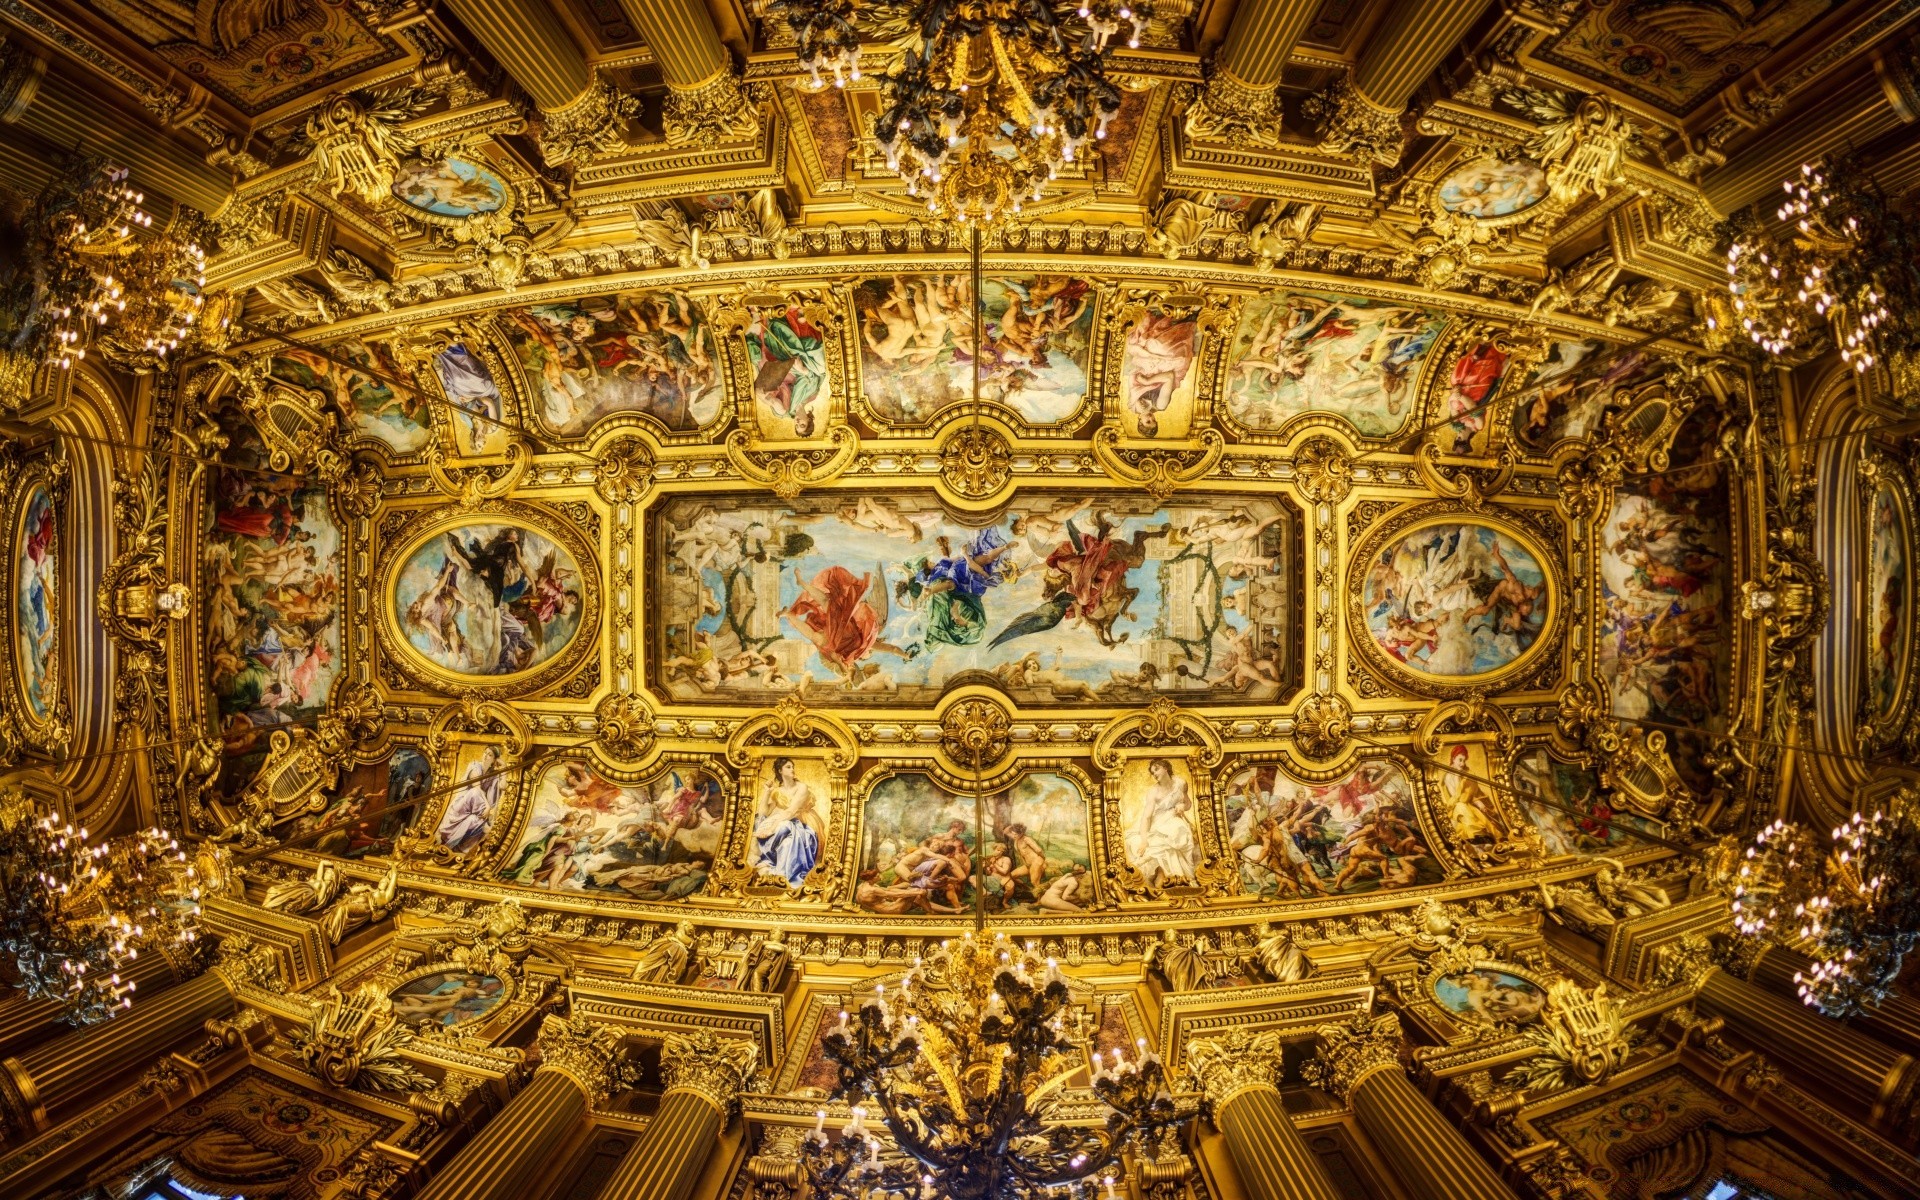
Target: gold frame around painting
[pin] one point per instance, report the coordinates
(17, 485)
(1878, 728)
(397, 650)
(1508, 522)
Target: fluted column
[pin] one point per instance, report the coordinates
(707, 104)
(703, 1074)
(1852, 115)
(67, 1068)
(23, 1020)
(1895, 1022)
(1241, 102)
(1825, 1056)
(1241, 1073)
(1433, 1160)
(61, 113)
(512, 1155)
(1362, 112)
(581, 116)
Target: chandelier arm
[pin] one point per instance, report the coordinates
(902, 1137)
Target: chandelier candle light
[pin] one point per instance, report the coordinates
(961, 1059)
(991, 99)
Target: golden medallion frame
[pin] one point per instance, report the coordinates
(1423, 516)
(397, 649)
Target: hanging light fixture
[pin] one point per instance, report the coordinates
(78, 913)
(102, 280)
(991, 99)
(1847, 260)
(959, 1061)
(1853, 904)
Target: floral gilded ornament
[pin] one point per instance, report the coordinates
(962, 1058)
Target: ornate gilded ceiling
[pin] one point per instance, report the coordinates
(596, 458)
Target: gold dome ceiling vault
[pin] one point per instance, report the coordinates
(614, 578)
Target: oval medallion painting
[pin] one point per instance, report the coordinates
(1887, 539)
(1491, 995)
(450, 187)
(488, 599)
(447, 998)
(1491, 188)
(1455, 599)
(36, 603)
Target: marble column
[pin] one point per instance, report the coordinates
(513, 1154)
(23, 1020)
(581, 115)
(1852, 114)
(1241, 1073)
(1825, 1057)
(48, 1077)
(703, 1074)
(707, 104)
(1361, 1061)
(1241, 102)
(57, 111)
(1361, 114)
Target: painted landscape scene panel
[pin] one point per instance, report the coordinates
(651, 841)
(1887, 600)
(1295, 353)
(916, 344)
(36, 603)
(887, 598)
(487, 599)
(919, 841)
(1294, 840)
(273, 597)
(1455, 599)
(639, 352)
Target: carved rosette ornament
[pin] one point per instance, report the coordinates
(1323, 726)
(723, 109)
(975, 733)
(1240, 1061)
(976, 462)
(623, 725)
(588, 127)
(716, 1069)
(1230, 110)
(623, 474)
(1324, 470)
(1352, 1051)
(584, 1052)
(1352, 124)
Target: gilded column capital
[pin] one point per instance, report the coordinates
(713, 1068)
(1685, 963)
(1231, 110)
(722, 108)
(587, 126)
(1352, 124)
(1238, 1062)
(21, 71)
(1353, 1051)
(584, 1052)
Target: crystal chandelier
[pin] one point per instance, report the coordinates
(1853, 905)
(991, 99)
(100, 281)
(1848, 259)
(961, 1060)
(77, 914)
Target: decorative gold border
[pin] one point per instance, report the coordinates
(397, 649)
(36, 729)
(1445, 512)
(1879, 729)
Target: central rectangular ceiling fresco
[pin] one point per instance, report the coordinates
(888, 598)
